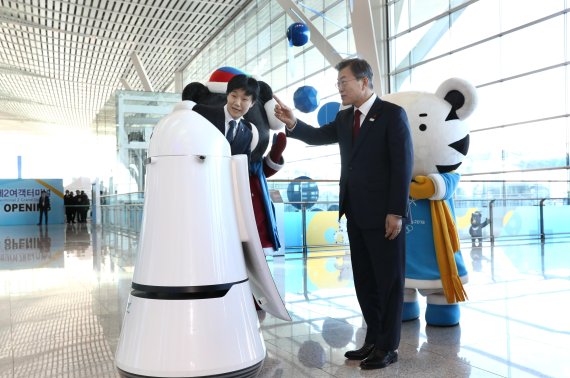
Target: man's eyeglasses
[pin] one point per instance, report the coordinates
(342, 84)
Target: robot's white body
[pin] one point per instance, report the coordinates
(191, 310)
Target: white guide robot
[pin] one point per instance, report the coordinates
(191, 310)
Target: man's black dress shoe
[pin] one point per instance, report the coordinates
(379, 359)
(360, 354)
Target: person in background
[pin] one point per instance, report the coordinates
(84, 209)
(44, 206)
(376, 170)
(68, 201)
(77, 206)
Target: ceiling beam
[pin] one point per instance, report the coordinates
(141, 72)
(191, 37)
(188, 13)
(366, 43)
(126, 84)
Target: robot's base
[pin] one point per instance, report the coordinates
(249, 372)
(214, 337)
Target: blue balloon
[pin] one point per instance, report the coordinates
(327, 113)
(306, 191)
(298, 34)
(306, 99)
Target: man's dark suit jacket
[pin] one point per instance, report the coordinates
(46, 204)
(242, 140)
(376, 171)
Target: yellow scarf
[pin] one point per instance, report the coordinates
(446, 241)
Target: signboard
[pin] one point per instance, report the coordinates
(19, 199)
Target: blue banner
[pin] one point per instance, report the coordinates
(19, 199)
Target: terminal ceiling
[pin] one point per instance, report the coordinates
(62, 60)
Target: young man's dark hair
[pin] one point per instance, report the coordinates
(249, 85)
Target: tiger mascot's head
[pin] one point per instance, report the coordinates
(437, 121)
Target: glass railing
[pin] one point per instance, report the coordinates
(123, 211)
(307, 216)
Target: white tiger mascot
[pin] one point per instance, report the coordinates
(434, 264)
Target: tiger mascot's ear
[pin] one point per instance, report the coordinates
(462, 96)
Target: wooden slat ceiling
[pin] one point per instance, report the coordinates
(61, 60)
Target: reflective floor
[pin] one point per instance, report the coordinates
(63, 290)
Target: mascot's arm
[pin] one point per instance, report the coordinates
(266, 98)
(434, 186)
(422, 187)
(274, 161)
(445, 185)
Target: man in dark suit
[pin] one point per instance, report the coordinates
(68, 203)
(376, 169)
(242, 92)
(44, 206)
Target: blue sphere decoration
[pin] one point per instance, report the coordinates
(298, 34)
(306, 99)
(327, 113)
(305, 191)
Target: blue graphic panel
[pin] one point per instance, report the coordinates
(19, 201)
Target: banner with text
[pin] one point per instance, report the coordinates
(19, 200)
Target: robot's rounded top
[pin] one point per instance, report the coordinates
(185, 132)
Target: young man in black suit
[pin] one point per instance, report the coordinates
(242, 92)
(376, 169)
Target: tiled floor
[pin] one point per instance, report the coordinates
(63, 291)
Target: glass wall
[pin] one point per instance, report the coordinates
(137, 114)
(255, 42)
(515, 52)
